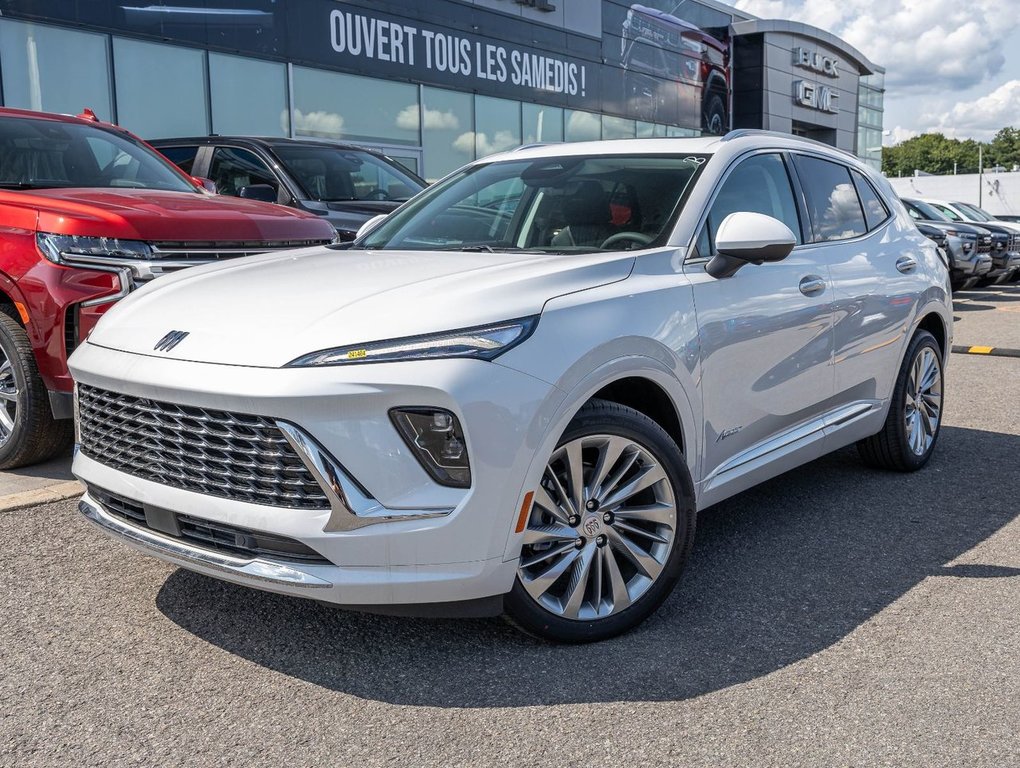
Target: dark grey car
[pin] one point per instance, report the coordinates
(345, 183)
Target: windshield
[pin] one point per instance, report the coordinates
(43, 154)
(553, 204)
(331, 175)
(976, 213)
(926, 210)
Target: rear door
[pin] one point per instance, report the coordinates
(874, 280)
(766, 340)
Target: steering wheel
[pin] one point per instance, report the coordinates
(620, 237)
(377, 193)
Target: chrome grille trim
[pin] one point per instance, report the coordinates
(217, 453)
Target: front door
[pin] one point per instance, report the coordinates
(765, 341)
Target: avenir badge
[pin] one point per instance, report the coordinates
(170, 341)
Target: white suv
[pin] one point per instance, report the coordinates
(517, 391)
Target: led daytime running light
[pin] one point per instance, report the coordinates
(482, 342)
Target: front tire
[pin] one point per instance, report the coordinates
(609, 531)
(714, 118)
(912, 427)
(28, 431)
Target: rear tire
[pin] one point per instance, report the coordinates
(28, 431)
(597, 573)
(912, 427)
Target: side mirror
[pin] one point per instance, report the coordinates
(369, 225)
(207, 184)
(749, 238)
(263, 192)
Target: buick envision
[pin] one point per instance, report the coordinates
(517, 391)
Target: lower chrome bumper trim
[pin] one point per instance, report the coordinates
(185, 555)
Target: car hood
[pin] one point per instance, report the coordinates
(152, 215)
(268, 310)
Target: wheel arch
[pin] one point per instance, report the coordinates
(933, 323)
(648, 397)
(624, 381)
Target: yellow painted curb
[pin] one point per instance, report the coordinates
(58, 492)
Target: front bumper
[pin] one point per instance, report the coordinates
(411, 558)
(448, 589)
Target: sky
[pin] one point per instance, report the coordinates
(951, 65)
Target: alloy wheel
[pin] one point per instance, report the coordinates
(924, 401)
(601, 528)
(8, 398)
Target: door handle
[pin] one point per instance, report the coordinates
(906, 264)
(812, 285)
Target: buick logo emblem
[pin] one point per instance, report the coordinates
(592, 525)
(170, 341)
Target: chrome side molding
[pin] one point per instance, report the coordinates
(352, 507)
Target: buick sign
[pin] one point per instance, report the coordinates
(816, 62)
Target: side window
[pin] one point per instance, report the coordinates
(759, 184)
(949, 213)
(832, 201)
(913, 212)
(875, 211)
(182, 157)
(233, 168)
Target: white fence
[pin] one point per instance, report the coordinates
(999, 192)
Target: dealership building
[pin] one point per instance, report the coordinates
(436, 84)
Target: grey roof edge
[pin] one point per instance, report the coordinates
(758, 26)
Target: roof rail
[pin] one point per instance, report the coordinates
(740, 133)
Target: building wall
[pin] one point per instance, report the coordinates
(452, 91)
(999, 192)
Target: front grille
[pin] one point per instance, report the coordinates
(206, 534)
(985, 245)
(217, 453)
(1014, 242)
(171, 256)
(202, 252)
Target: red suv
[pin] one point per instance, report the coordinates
(89, 212)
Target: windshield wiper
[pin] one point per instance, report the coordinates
(28, 185)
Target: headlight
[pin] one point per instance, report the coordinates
(484, 342)
(63, 249)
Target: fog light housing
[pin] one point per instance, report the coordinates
(435, 437)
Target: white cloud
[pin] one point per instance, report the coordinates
(407, 119)
(469, 140)
(925, 45)
(896, 135)
(327, 123)
(982, 117)
(584, 126)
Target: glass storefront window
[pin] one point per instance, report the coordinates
(38, 73)
(248, 96)
(449, 138)
(617, 128)
(497, 125)
(337, 106)
(649, 130)
(161, 89)
(541, 123)
(582, 126)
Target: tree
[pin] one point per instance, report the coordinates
(1004, 148)
(933, 153)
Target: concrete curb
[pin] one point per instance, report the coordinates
(58, 492)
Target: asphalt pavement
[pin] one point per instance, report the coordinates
(834, 616)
